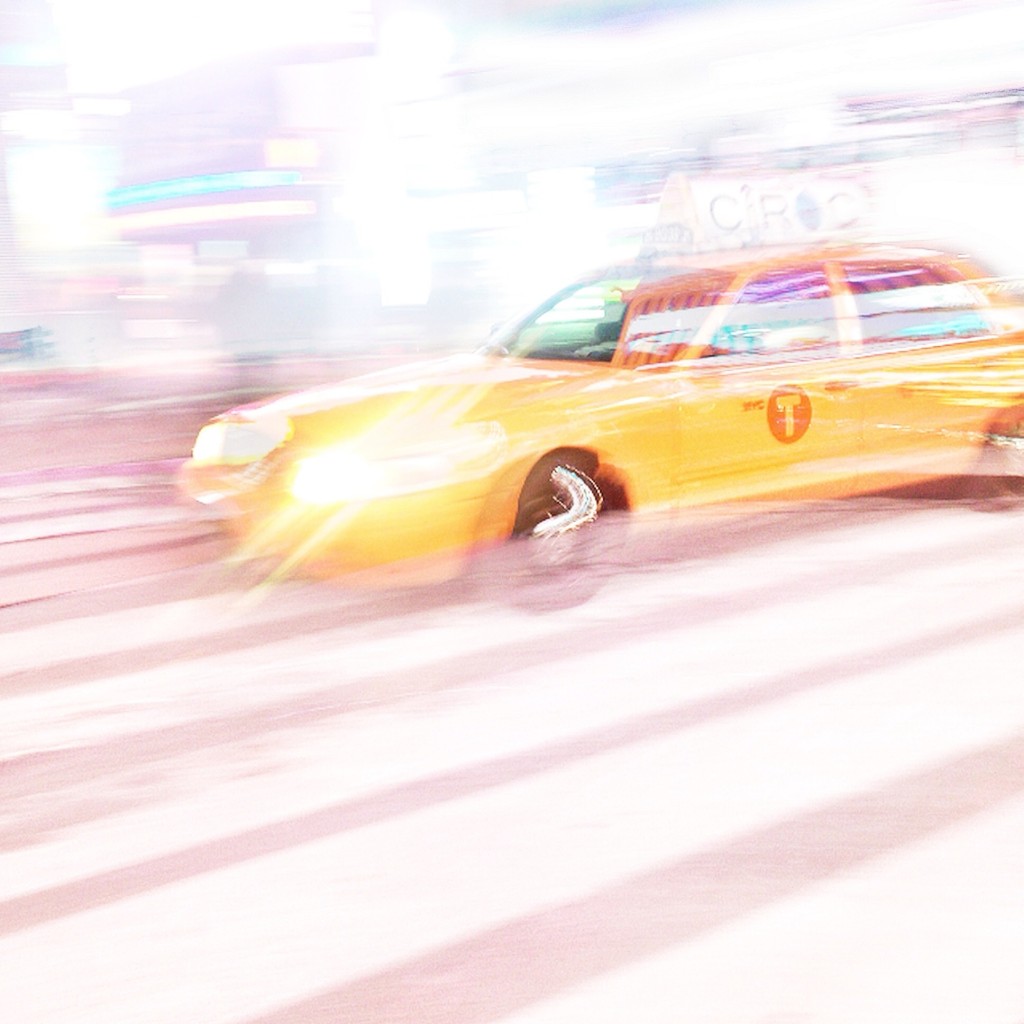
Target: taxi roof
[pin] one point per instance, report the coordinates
(667, 271)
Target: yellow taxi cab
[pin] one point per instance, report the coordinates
(815, 372)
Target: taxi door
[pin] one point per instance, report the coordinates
(930, 356)
(768, 403)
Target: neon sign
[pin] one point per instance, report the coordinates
(198, 185)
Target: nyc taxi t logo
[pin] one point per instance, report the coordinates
(789, 414)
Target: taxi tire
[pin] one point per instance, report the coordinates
(995, 493)
(556, 571)
(997, 481)
(541, 498)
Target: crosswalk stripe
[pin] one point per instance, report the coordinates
(656, 706)
(918, 542)
(37, 507)
(588, 938)
(741, 758)
(89, 522)
(122, 638)
(933, 947)
(380, 943)
(87, 479)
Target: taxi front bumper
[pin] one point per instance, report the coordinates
(258, 509)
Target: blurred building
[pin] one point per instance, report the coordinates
(34, 107)
(425, 169)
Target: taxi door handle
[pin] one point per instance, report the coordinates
(833, 386)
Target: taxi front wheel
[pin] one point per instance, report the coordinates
(558, 501)
(551, 559)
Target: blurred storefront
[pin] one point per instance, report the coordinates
(34, 106)
(429, 170)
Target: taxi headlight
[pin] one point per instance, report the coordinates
(345, 473)
(209, 445)
(240, 441)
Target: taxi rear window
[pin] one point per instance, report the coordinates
(785, 311)
(779, 311)
(911, 302)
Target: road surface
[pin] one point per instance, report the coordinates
(772, 772)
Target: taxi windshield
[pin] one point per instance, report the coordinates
(582, 322)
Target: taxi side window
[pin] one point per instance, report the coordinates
(583, 324)
(909, 302)
(780, 311)
(664, 324)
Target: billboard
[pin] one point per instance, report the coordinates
(702, 213)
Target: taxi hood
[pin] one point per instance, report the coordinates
(446, 390)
